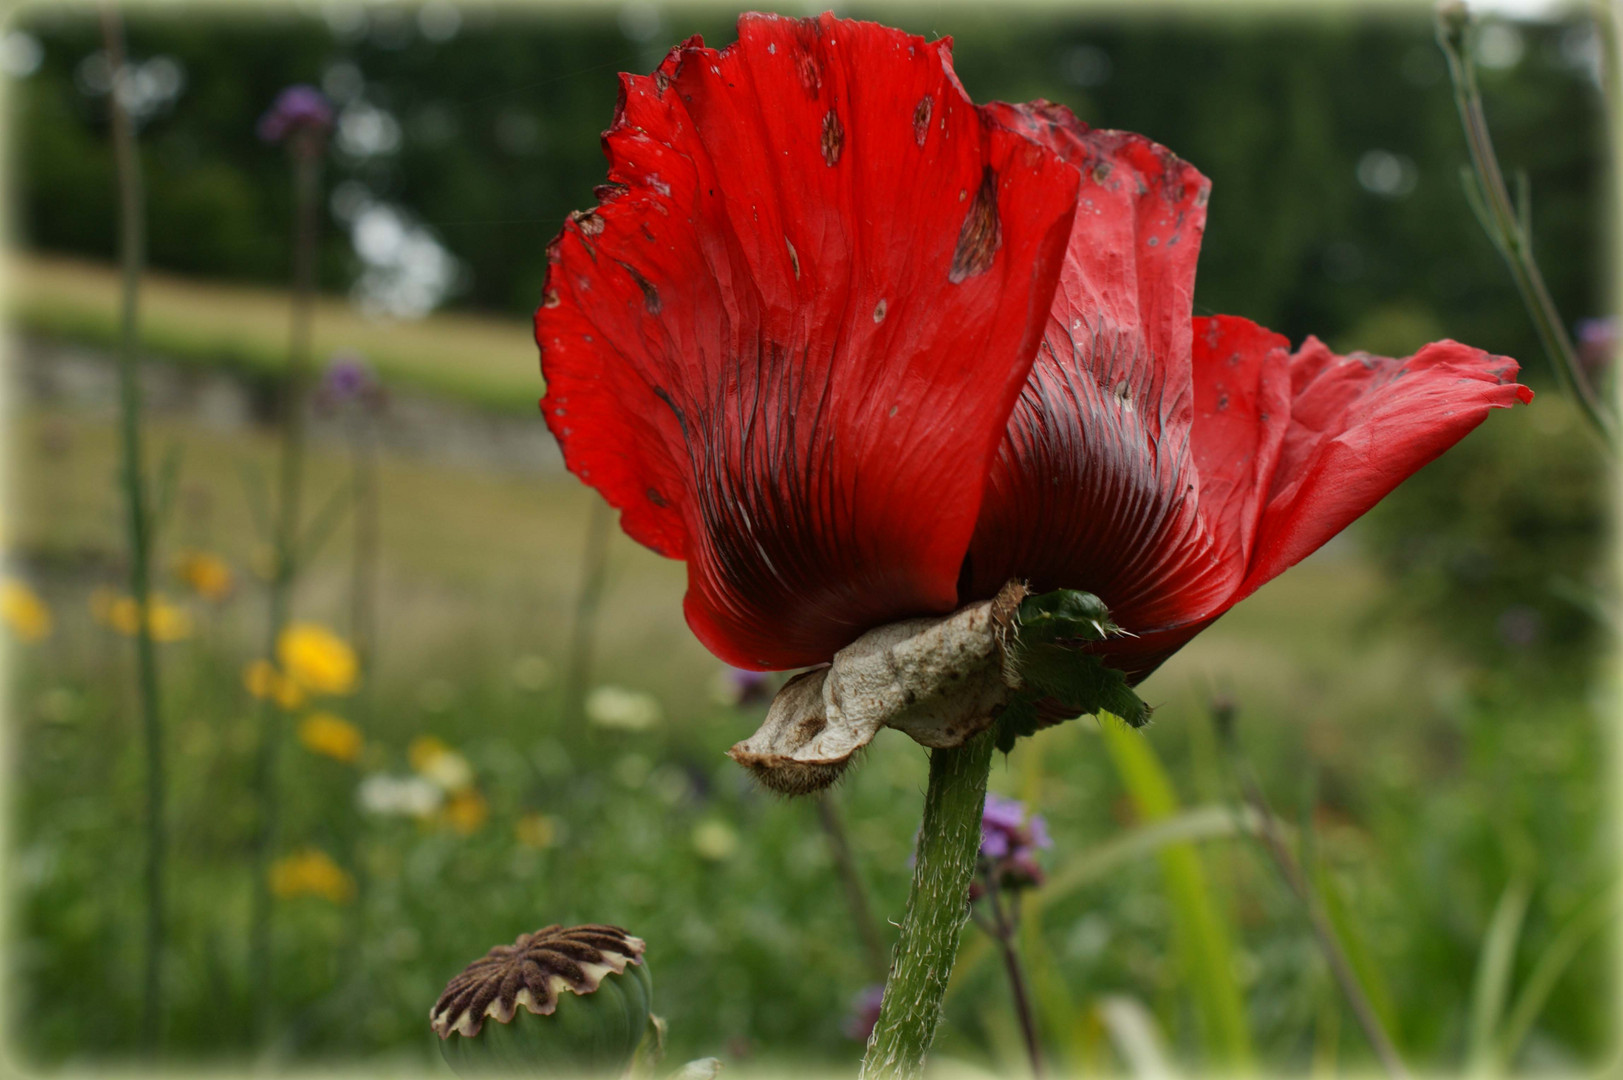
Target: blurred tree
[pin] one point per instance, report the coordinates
(1330, 140)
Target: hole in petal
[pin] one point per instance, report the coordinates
(810, 78)
(833, 137)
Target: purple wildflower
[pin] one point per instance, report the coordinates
(1002, 812)
(859, 1024)
(1010, 839)
(349, 379)
(1597, 343)
(299, 107)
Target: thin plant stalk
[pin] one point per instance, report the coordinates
(366, 543)
(1290, 868)
(132, 257)
(1508, 225)
(306, 183)
(856, 892)
(594, 572)
(1004, 929)
(1341, 968)
(937, 908)
(363, 623)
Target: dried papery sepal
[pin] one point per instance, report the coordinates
(532, 972)
(939, 680)
(1019, 661)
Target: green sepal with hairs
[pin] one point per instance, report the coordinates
(1044, 652)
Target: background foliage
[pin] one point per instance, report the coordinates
(1418, 700)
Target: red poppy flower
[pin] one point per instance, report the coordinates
(859, 350)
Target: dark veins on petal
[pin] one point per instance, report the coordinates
(753, 488)
(1083, 428)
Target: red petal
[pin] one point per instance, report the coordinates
(1360, 425)
(1093, 487)
(787, 342)
(1170, 465)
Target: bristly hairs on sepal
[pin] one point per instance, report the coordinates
(1057, 679)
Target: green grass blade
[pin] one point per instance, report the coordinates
(1098, 863)
(1345, 924)
(1495, 965)
(1201, 936)
(1552, 963)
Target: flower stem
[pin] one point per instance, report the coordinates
(937, 907)
(132, 255)
(1005, 926)
(306, 185)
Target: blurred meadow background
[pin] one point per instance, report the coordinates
(535, 737)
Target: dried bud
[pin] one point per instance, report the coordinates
(1453, 23)
(598, 1030)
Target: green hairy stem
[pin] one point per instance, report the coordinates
(937, 908)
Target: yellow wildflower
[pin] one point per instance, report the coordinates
(208, 575)
(311, 872)
(466, 811)
(332, 736)
(264, 681)
(434, 760)
(168, 622)
(24, 611)
(536, 831)
(423, 750)
(317, 659)
(165, 621)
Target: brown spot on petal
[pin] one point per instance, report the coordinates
(833, 136)
(879, 312)
(921, 119)
(609, 192)
(794, 259)
(588, 222)
(981, 234)
(550, 298)
(662, 82)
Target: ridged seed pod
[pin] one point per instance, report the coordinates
(540, 1029)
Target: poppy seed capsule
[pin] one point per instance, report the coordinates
(540, 1029)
